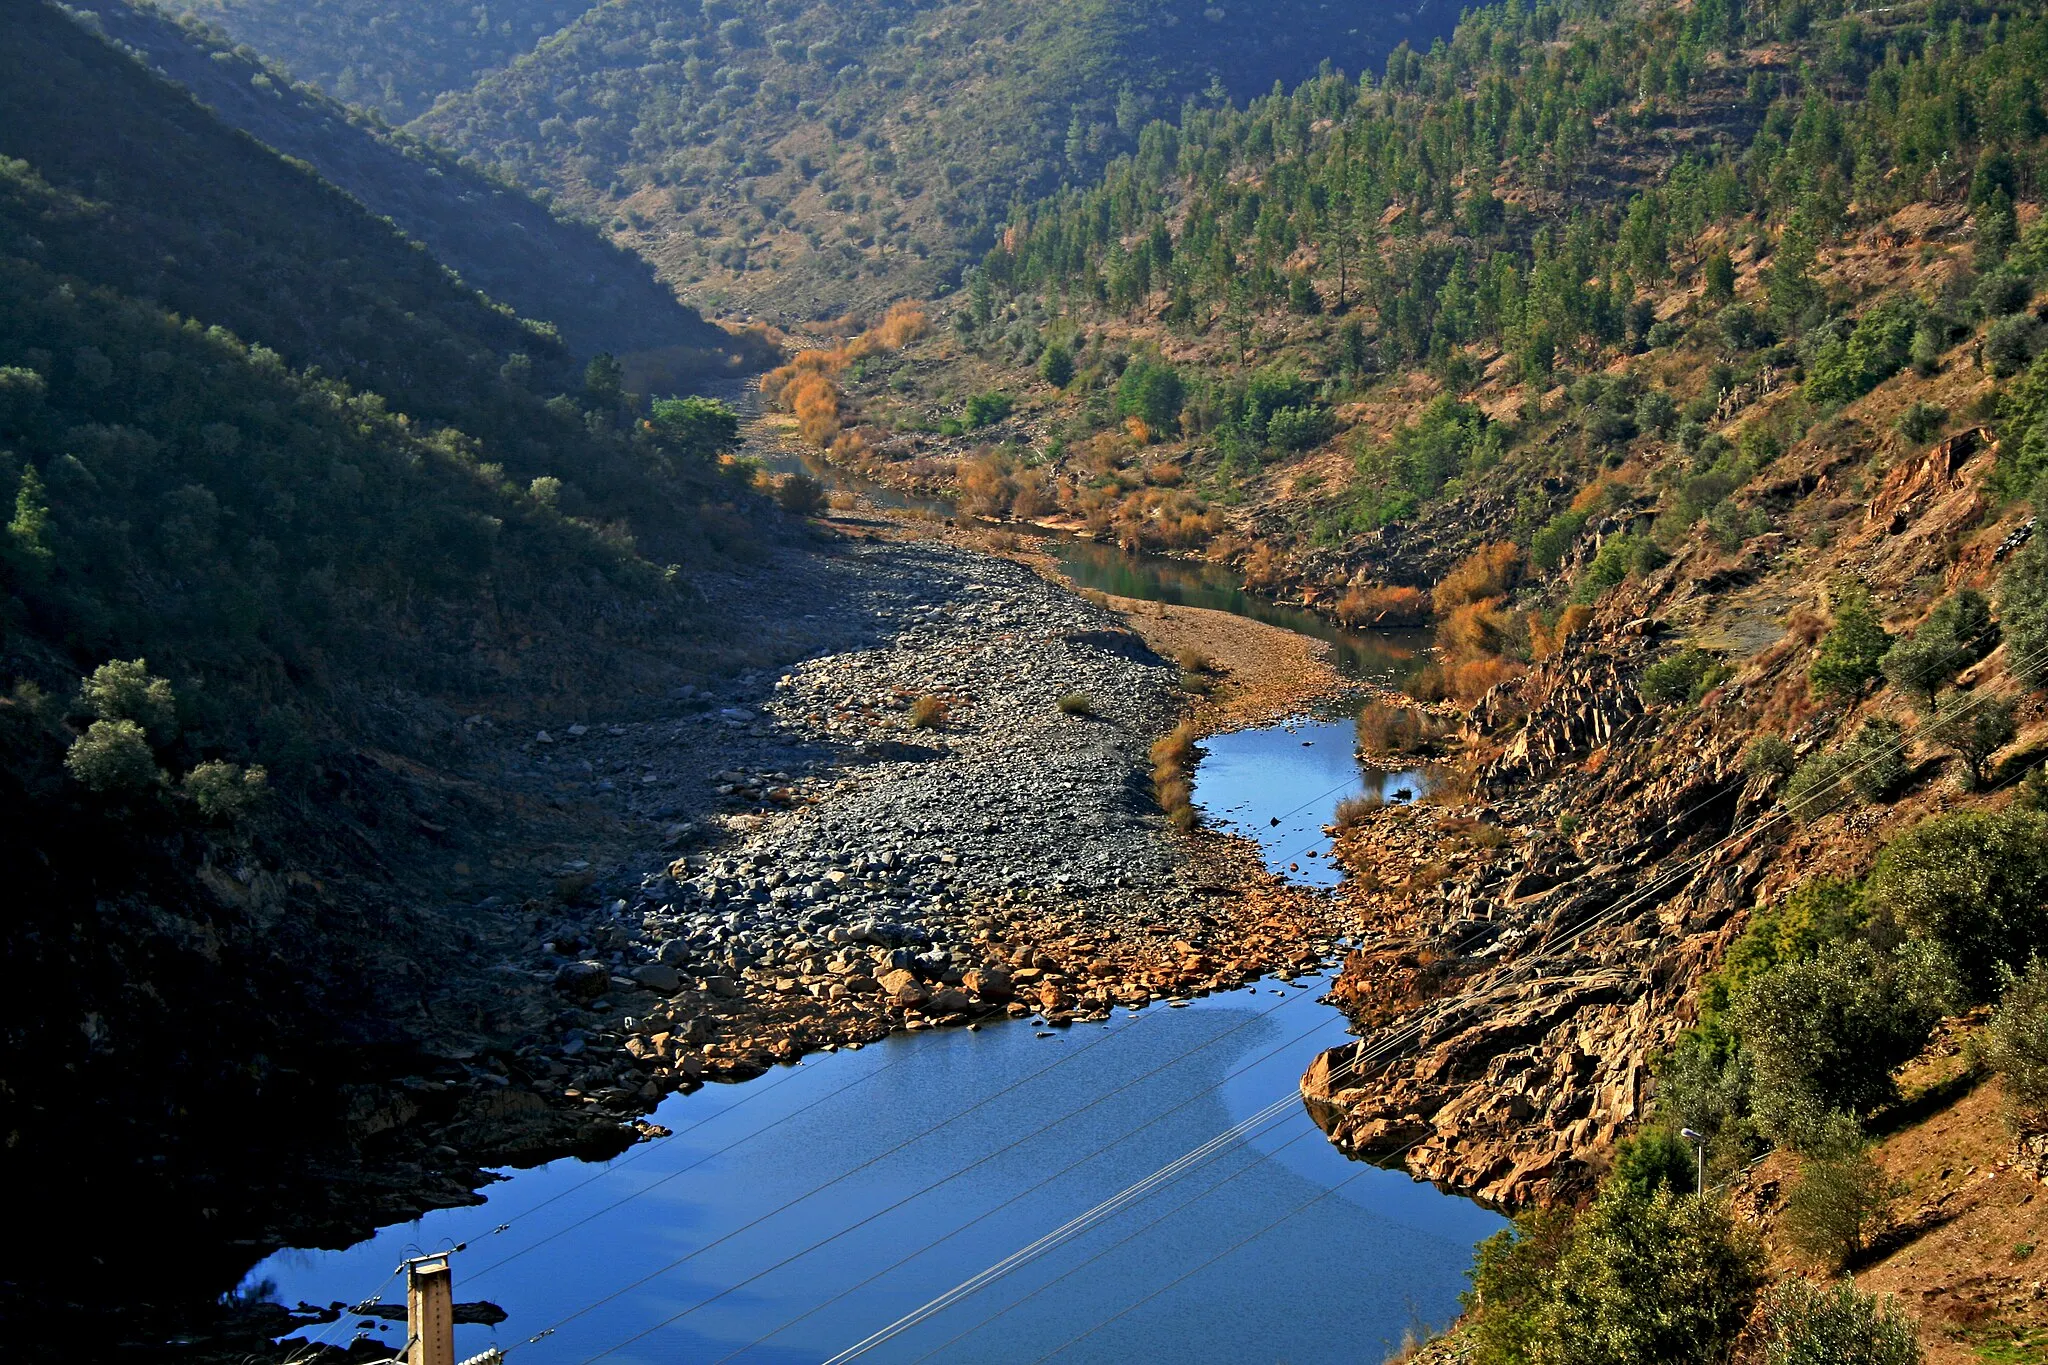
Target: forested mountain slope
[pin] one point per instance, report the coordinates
(799, 159)
(285, 505)
(596, 295)
(393, 58)
(1688, 369)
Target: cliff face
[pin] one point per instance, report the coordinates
(1533, 947)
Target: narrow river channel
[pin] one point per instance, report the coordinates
(790, 1217)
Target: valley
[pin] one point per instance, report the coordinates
(1079, 680)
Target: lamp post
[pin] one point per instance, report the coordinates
(1699, 1147)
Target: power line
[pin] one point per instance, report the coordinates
(1170, 1063)
(736, 1142)
(1171, 1171)
(1068, 1168)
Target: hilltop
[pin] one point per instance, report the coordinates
(801, 161)
(551, 268)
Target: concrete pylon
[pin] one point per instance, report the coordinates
(430, 1311)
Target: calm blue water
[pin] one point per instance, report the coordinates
(1294, 773)
(962, 1148)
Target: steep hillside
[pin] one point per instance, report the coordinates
(597, 296)
(395, 59)
(292, 525)
(1687, 369)
(800, 160)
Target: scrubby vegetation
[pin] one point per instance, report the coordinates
(805, 158)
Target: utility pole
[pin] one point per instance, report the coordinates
(430, 1310)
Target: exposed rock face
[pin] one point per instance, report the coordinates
(1531, 956)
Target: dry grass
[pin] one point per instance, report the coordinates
(1356, 809)
(928, 713)
(1387, 729)
(1173, 772)
(1383, 605)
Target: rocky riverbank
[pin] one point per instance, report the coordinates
(948, 822)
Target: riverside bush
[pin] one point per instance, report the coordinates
(1665, 1278)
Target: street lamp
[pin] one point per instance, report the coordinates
(1699, 1146)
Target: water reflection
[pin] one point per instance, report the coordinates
(1385, 656)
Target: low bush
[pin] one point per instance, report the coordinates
(1173, 773)
(1922, 421)
(928, 713)
(1875, 760)
(1804, 1324)
(2018, 1046)
(1769, 756)
(1824, 1034)
(1666, 1277)
(1850, 654)
(1077, 704)
(1974, 730)
(1684, 677)
(1841, 1200)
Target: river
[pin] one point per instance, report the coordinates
(790, 1217)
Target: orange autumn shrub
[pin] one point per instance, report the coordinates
(1486, 573)
(1545, 641)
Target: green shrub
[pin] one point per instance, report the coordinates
(1077, 704)
(1685, 676)
(1850, 653)
(224, 791)
(1877, 348)
(2018, 1046)
(1973, 881)
(1151, 392)
(1841, 1199)
(1550, 545)
(2010, 343)
(1664, 1278)
(1769, 756)
(125, 689)
(1300, 428)
(113, 756)
(1655, 1158)
(1815, 787)
(1922, 421)
(2023, 612)
(1874, 759)
(1825, 1033)
(698, 428)
(1056, 366)
(1975, 728)
(1807, 1325)
(986, 409)
(1512, 1274)
(1957, 633)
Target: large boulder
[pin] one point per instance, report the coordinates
(903, 988)
(990, 983)
(658, 977)
(583, 980)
